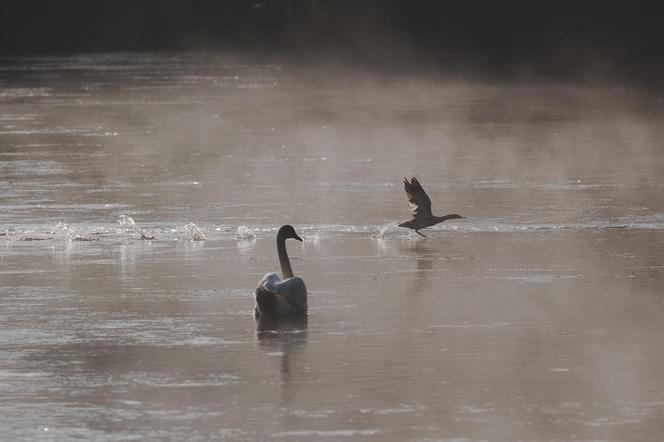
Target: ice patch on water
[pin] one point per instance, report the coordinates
(402, 408)
(471, 409)
(487, 184)
(509, 227)
(573, 185)
(244, 232)
(313, 413)
(328, 433)
(612, 422)
(21, 92)
(128, 225)
(173, 381)
(535, 278)
(471, 325)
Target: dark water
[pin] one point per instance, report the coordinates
(539, 317)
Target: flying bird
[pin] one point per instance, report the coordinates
(420, 207)
(276, 297)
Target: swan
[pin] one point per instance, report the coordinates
(420, 205)
(275, 297)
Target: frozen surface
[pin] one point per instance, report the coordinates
(140, 197)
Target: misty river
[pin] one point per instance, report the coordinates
(140, 197)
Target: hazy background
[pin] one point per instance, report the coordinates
(607, 38)
(149, 151)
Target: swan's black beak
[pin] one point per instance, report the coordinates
(296, 237)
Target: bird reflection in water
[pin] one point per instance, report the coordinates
(424, 256)
(285, 337)
(272, 327)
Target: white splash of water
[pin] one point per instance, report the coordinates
(74, 234)
(193, 232)
(386, 231)
(244, 232)
(60, 225)
(71, 233)
(128, 225)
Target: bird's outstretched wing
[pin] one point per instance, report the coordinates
(420, 204)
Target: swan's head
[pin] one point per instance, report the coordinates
(288, 231)
(454, 216)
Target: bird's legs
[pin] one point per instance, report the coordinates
(421, 234)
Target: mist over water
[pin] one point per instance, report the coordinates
(140, 196)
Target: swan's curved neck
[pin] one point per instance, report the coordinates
(286, 269)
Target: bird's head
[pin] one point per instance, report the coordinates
(288, 231)
(453, 216)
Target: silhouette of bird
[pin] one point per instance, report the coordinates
(420, 207)
(276, 297)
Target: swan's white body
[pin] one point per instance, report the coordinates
(291, 294)
(276, 297)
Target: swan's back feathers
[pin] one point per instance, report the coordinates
(294, 292)
(279, 298)
(270, 282)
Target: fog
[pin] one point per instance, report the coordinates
(536, 318)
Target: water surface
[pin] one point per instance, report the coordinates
(140, 198)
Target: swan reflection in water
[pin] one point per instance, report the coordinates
(284, 337)
(281, 313)
(270, 327)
